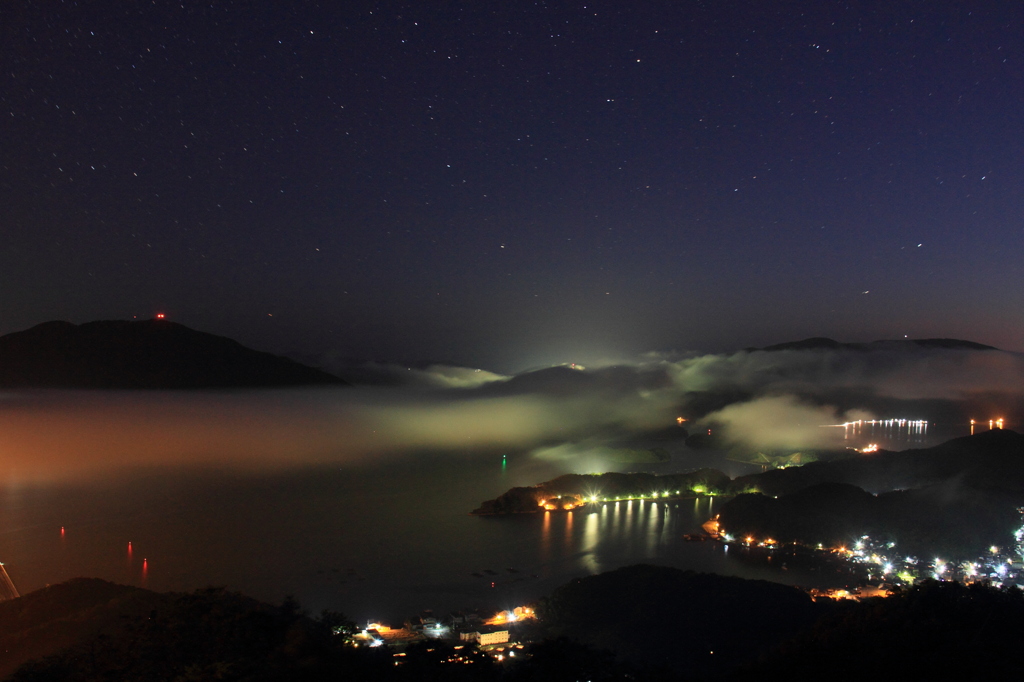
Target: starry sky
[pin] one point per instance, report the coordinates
(514, 184)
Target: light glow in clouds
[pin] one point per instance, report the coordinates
(771, 400)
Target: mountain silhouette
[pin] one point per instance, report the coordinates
(144, 354)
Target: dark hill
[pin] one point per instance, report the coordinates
(933, 631)
(955, 499)
(821, 343)
(48, 620)
(88, 629)
(694, 622)
(145, 354)
(992, 460)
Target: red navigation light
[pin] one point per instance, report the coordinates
(160, 316)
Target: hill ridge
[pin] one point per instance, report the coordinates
(142, 354)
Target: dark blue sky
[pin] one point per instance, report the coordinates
(512, 184)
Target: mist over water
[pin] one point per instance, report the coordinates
(358, 499)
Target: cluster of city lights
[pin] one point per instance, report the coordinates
(886, 426)
(992, 424)
(997, 566)
(511, 616)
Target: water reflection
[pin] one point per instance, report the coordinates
(618, 531)
(545, 538)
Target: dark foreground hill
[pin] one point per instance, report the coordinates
(60, 616)
(701, 627)
(640, 623)
(89, 629)
(144, 354)
(933, 631)
(692, 623)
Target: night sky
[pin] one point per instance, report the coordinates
(515, 184)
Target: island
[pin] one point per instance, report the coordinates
(575, 490)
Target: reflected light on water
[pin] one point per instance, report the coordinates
(545, 537)
(591, 537)
(651, 523)
(592, 530)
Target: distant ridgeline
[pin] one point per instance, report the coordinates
(822, 343)
(144, 354)
(958, 498)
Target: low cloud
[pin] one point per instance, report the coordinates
(51, 435)
(783, 422)
(771, 400)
